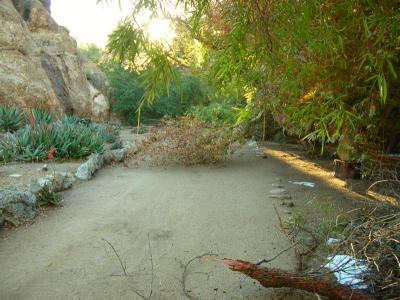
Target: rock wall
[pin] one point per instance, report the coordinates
(40, 66)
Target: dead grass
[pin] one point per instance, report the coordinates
(374, 236)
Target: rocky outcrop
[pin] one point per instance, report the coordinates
(40, 66)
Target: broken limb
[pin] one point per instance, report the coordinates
(274, 278)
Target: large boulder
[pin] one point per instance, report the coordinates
(40, 65)
(16, 207)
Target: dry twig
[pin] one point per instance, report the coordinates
(297, 254)
(185, 273)
(123, 265)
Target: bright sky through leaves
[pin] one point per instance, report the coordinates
(89, 22)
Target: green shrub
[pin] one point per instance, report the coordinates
(127, 92)
(92, 52)
(125, 89)
(216, 114)
(322, 120)
(11, 119)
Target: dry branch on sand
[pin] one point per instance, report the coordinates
(272, 278)
(373, 238)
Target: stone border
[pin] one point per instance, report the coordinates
(19, 206)
(97, 161)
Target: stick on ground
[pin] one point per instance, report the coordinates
(185, 273)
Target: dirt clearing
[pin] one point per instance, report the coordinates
(158, 219)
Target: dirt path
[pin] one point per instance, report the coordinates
(180, 212)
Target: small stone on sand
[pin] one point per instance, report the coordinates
(281, 197)
(278, 191)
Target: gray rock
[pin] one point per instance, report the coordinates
(56, 182)
(281, 197)
(107, 157)
(86, 170)
(118, 155)
(278, 191)
(17, 207)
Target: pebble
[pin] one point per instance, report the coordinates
(278, 191)
(333, 241)
(281, 197)
(15, 175)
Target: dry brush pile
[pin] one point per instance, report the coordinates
(375, 237)
(186, 141)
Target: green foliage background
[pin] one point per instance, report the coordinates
(128, 93)
(128, 88)
(326, 71)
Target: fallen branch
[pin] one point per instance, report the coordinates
(274, 278)
(185, 272)
(382, 181)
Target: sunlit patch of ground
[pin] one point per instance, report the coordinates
(323, 171)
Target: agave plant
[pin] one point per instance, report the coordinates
(40, 116)
(43, 139)
(47, 197)
(7, 147)
(107, 132)
(11, 119)
(74, 140)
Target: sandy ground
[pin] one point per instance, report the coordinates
(19, 175)
(158, 219)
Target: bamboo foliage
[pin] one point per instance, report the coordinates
(284, 49)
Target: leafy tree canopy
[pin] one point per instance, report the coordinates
(283, 56)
